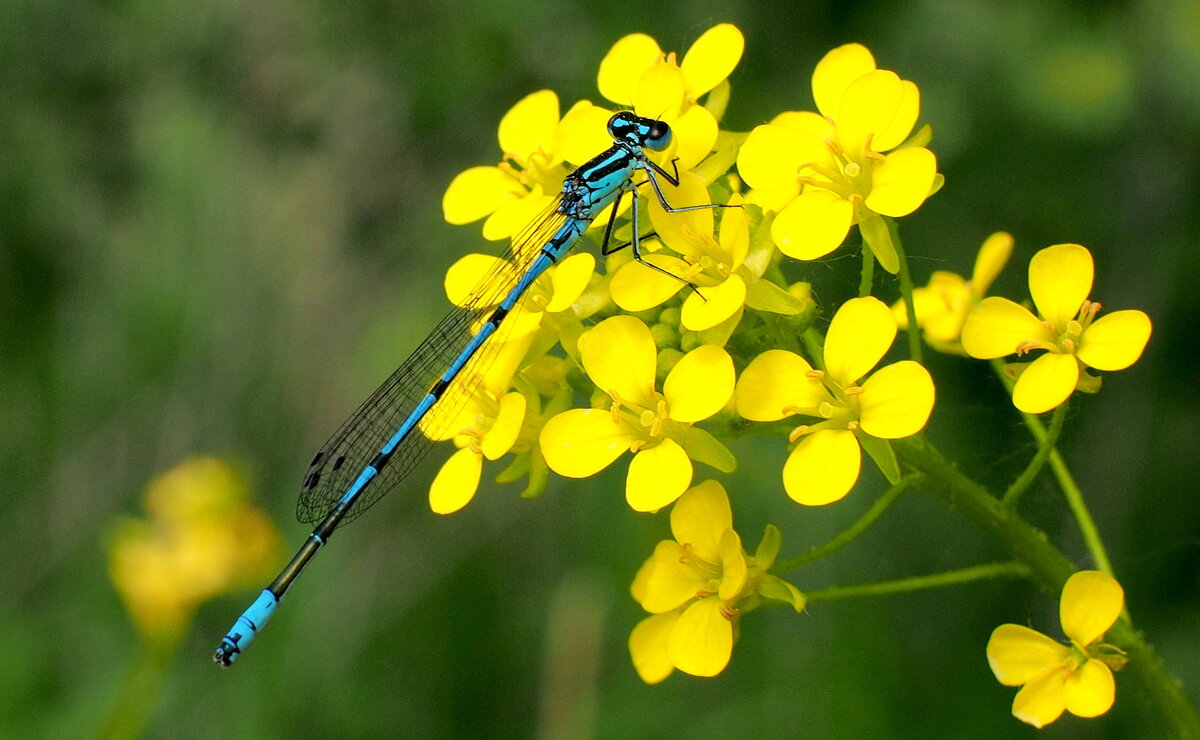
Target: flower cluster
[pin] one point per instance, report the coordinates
(657, 360)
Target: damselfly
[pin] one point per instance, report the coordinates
(381, 443)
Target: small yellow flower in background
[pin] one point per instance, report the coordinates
(636, 73)
(727, 269)
(620, 357)
(894, 402)
(849, 165)
(942, 306)
(529, 175)
(1076, 678)
(202, 538)
(693, 586)
(1060, 278)
(489, 424)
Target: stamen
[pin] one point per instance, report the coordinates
(728, 611)
(797, 433)
(853, 390)
(814, 374)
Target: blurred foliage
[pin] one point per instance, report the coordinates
(220, 228)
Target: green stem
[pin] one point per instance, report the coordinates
(139, 690)
(920, 583)
(1045, 447)
(1146, 672)
(849, 535)
(906, 290)
(867, 280)
(1070, 489)
(1074, 497)
(814, 344)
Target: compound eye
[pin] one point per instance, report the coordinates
(659, 137)
(615, 126)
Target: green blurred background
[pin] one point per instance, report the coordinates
(220, 228)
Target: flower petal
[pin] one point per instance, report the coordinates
(1091, 603)
(1115, 341)
(570, 278)
(992, 257)
(773, 382)
(581, 442)
(901, 182)
(477, 192)
(531, 127)
(466, 274)
(1018, 655)
(659, 92)
(1090, 691)
(735, 570)
(513, 215)
(700, 384)
(870, 107)
(623, 65)
(823, 467)
(1042, 700)
(648, 647)
(690, 232)
(456, 483)
(903, 118)
(896, 401)
(620, 357)
(998, 327)
(835, 72)
(670, 582)
(705, 310)
(695, 134)
(700, 517)
(814, 224)
(860, 334)
(657, 476)
(1047, 382)
(711, 58)
(635, 287)
(702, 640)
(769, 157)
(1060, 278)
(504, 432)
(583, 132)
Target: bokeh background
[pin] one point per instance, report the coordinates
(220, 228)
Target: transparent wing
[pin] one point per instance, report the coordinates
(338, 463)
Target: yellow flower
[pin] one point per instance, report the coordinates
(893, 402)
(636, 73)
(726, 268)
(489, 424)
(1060, 278)
(202, 539)
(849, 165)
(1076, 678)
(529, 175)
(942, 306)
(555, 292)
(693, 585)
(620, 358)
